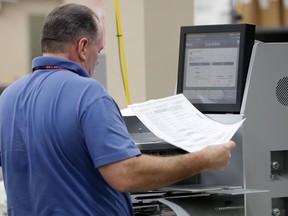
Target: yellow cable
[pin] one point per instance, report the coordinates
(122, 55)
(239, 7)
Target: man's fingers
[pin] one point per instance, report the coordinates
(231, 144)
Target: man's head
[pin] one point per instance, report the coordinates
(74, 32)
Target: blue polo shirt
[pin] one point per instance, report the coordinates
(57, 126)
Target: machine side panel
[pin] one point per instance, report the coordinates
(265, 129)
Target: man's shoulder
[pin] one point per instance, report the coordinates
(14, 86)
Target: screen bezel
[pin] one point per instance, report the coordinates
(247, 38)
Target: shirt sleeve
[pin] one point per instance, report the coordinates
(105, 133)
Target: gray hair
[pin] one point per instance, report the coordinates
(67, 24)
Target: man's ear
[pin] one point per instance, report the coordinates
(82, 48)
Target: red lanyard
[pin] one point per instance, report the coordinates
(49, 67)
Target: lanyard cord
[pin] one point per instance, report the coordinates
(51, 67)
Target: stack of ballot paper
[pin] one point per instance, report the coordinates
(177, 121)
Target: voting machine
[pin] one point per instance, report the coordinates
(228, 77)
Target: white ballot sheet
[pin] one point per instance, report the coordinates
(177, 121)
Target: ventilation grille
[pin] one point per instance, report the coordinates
(282, 91)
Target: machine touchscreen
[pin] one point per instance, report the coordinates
(213, 65)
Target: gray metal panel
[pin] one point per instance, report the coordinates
(233, 174)
(266, 126)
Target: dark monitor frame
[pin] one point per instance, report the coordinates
(247, 38)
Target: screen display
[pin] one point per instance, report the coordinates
(211, 67)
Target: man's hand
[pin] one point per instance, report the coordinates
(217, 156)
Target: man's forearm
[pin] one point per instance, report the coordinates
(152, 172)
(147, 172)
(156, 172)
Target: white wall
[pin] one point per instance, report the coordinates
(150, 33)
(132, 19)
(14, 37)
(151, 30)
(163, 19)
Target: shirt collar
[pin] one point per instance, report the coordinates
(62, 62)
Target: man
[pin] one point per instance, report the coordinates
(65, 149)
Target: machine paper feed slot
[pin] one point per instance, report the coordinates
(149, 141)
(213, 189)
(146, 138)
(236, 191)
